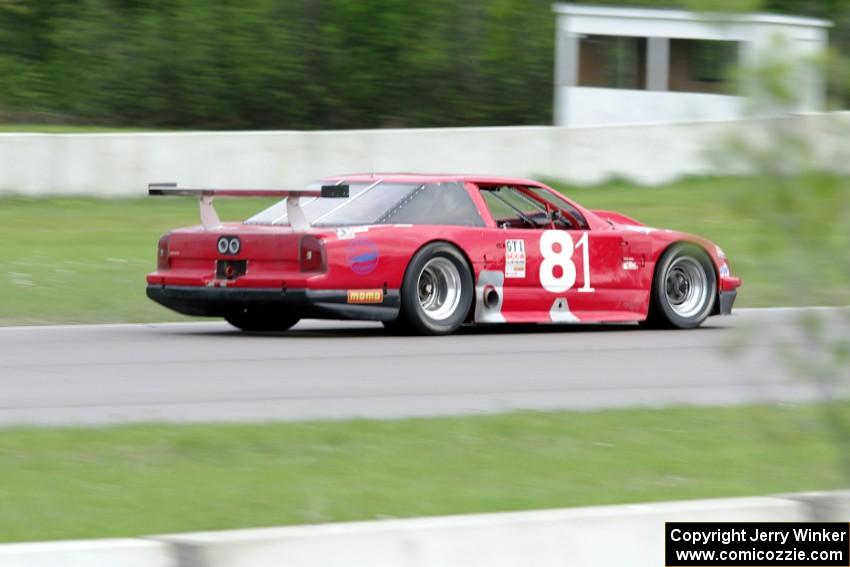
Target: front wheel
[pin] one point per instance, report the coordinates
(437, 290)
(684, 288)
(262, 321)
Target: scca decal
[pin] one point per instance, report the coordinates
(365, 295)
(363, 256)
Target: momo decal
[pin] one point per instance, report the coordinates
(360, 296)
(363, 256)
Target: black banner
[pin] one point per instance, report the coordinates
(757, 544)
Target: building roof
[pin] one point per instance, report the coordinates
(621, 12)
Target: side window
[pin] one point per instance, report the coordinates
(435, 203)
(512, 209)
(498, 208)
(563, 204)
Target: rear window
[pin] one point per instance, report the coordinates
(384, 203)
(366, 206)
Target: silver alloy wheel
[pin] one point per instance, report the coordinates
(439, 288)
(686, 286)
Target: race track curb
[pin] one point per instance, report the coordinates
(631, 534)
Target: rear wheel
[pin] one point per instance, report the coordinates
(252, 319)
(684, 288)
(437, 291)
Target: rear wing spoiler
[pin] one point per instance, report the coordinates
(209, 216)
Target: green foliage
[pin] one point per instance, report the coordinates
(278, 63)
(299, 64)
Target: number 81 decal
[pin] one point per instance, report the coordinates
(563, 258)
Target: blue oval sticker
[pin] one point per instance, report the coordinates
(363, 256)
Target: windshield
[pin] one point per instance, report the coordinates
(384, 203)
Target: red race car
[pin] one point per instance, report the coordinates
(429, 253)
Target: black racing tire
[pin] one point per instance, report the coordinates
(261, 320)
(437, 291)
(684, 288)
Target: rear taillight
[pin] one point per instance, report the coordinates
(312, 254)
(162, 254)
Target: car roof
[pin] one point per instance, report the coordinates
(431, 178)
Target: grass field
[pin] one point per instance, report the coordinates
(24, 128)
(72, 260)
(133, 480)
(84, 260)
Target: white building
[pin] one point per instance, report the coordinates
(644, 65)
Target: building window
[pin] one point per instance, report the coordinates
(702, 66)
(613, 62)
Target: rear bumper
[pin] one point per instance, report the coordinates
(303, 303)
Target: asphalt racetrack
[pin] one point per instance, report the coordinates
(211, 372)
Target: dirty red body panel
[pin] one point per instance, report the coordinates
(613, 258)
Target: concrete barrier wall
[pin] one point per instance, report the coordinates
(582, 537)
(89, 553)
(578, 537)
(121, 165)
